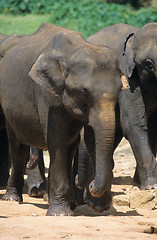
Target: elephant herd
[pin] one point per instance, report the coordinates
(77, 98)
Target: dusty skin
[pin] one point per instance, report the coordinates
(132, 216)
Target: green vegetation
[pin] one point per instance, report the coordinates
(21, 24)
(86, 16)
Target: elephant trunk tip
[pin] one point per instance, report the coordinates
(79, 184)
(96, 191)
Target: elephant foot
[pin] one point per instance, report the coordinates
(12, 196)
(78, 196)
(38, 192)
(146, 183)
(136, 177)
(79, 183)
(149, 184)
(98, 204)
(45, 197)
(59, 211)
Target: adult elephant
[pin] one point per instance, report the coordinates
(57, 83)
(36, 178)
(136, 110)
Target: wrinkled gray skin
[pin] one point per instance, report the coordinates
(36, 178)
(136, 110)
(64, 83)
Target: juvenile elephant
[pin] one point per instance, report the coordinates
(136, 110)
(51, 85)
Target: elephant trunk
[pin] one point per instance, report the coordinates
(103, 123)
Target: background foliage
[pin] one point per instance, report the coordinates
(86, 16)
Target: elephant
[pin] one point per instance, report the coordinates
(52, 84)
(136, 108)
(36, 179)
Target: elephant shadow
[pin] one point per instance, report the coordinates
(124, 180)
(85, 211)
(38, 205)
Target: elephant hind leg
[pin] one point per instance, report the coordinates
(19, 154)
(4, 158)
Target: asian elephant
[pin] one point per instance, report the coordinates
(36, 179)
(51, 85)
(136, 109)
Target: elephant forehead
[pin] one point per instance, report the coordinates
(82, 58)
(92, 52)
(144, 39)
(145, 46)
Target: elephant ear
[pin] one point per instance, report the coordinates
(128, 55)
(49, 71)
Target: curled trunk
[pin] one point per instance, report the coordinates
(102, 124)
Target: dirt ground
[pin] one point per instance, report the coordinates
(132, 216)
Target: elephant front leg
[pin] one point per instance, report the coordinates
(134, 125)
(59, 184)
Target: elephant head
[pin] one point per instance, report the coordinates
(140, 51)
(87, 79)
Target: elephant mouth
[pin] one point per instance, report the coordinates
(124, 82)
(78, 111)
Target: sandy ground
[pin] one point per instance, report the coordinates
(132, 216)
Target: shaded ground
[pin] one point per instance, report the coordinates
(132, 216)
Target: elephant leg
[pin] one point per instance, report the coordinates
(134, 125)
(152, 136)
(19, 154)
(77, 194)
(59, 178)
(59, 184)
(36, 177)
(152, 132)
(4, 158)
(118, 132)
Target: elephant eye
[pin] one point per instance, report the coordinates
(84, 92)
(149, 64)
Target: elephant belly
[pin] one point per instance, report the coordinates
(26, 125)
